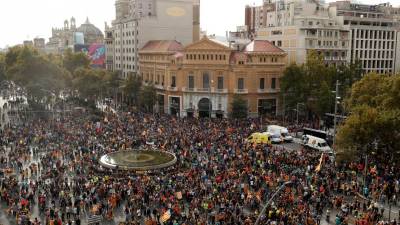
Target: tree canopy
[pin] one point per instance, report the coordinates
(2, 67)
(148, 97)
(239, 107)
(373, 125)
(72, 61)
(132, 87)
(313, 82)
(34, 72)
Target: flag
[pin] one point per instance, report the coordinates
(321, 160)
(166, 216)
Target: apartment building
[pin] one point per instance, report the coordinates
(300, 26)
(202, 78)
(374, 33)
(138, 21)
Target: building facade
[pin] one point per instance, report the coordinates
(39, 44)
(374, 34)
(202, 78)
(139, 21)
(299, 27)
(341, 31)
(71, 35)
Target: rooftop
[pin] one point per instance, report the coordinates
(162, 46)
(262, 46)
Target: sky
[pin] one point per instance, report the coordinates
(26, 19)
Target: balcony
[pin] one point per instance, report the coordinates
(269, 90)
(241, 91)
(159, 87)
(172, 88)
(185, 89)
(224, 90)
(334, 58)
(203, 89)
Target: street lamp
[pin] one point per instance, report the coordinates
(337, 98)
(270, 200)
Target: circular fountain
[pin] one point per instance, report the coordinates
(138, 160)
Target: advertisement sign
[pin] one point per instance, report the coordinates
(95, 52)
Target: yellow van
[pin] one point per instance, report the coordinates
(259, 138)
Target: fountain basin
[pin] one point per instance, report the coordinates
(138, 160)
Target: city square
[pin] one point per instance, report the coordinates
(166, 117)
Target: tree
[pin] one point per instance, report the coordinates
(88, 82)
(309, 84)
(374, 121)
(132, 89)
(348, 74)
(72, 61)
(239, 107)
(313, 82)
(34, 72)
(148, 96)
(2, 67)
(293, 85)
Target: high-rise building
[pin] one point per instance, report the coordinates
(139, 21)
(254, 18)
(374, 34)
(239, 38)
(300, 26)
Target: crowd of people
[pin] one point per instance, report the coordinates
(51, 166)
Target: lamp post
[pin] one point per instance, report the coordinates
(270, 200)
(337, 98)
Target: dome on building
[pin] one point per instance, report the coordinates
(91, 33)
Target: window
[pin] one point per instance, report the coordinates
(262, 83)
(191, 81)
(220, 83)
(173, 81)
(206, 80)
(273, 83)
(240, 83)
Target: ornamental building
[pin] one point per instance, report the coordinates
(202, 78)
(70, 35)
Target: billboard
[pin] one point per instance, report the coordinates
(95, 52)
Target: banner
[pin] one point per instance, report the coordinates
(95, 52)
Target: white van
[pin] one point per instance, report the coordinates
(281, 131)
(316, 143)
(274, 138)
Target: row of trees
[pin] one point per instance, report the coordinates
(373, 124)
(41, 75)
(313, 82)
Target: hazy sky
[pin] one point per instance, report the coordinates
(27, 19)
